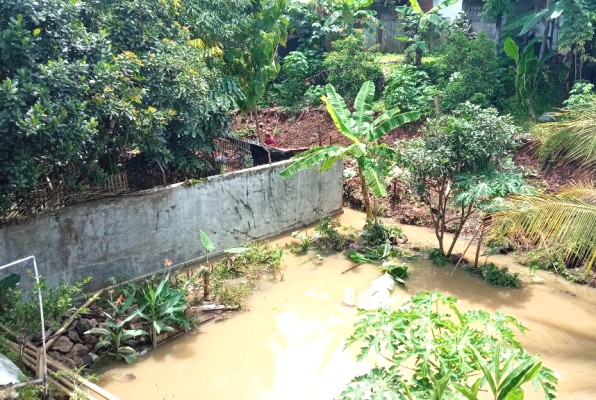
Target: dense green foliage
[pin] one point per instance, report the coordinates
(374, 160)
(291, 89)
(432, 350)
(461, 160)
(409, 89)
(474, 72)
(82, 83)
(349, 66)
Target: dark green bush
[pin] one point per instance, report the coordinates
(290, 91)
(329, 236)
(476, 74)
(375, 232)
(499, 276)
(437, 257)
(349, 66)
(409, 88)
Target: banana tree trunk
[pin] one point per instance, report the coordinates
(365, 197)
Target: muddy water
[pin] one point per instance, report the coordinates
(289, 344)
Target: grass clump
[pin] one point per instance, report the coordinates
(329, 237)
(375, 232)
(234, 277)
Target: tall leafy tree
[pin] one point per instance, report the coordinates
(459, 163)
(372, 158)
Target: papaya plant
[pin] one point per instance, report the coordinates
(432, 350)
(373, 159)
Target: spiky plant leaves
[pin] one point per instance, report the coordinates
(571, 141)
(567, 218)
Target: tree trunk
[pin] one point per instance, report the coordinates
(367, 207)
(258, 131)
(478, 246)
(545, 34)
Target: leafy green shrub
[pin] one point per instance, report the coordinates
(476, 74)
(8, 292)
(437, 257)
(461, 160)
(409, 89)
(499, 276)
(581, 95)
(329, 236)
(163, 307)
(435, 351)
(375, 232)
(291, 89)
(231, 293)
(349, 66)
(399, 272)
(23, 317)
(312, 96)
(234, 277)
(114, 337)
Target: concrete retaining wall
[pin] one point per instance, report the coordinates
(132, 235)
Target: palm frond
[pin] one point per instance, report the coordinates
(572, 140)
(566, 219)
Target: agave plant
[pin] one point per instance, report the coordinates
(373, 159)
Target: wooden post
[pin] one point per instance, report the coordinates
(206, 285)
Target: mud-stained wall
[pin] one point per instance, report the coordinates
(131, 236)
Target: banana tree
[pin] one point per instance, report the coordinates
(372, 158)
(418, 24)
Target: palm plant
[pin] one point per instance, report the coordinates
(373, 159)
(566, 219)
(571, 141)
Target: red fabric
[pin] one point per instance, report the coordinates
(270, 141)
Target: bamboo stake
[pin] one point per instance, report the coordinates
(466, 250)
(83, 381)
(69, 321)
(28, 356)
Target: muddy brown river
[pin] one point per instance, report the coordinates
(288, 344)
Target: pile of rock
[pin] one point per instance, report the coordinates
(75, 348)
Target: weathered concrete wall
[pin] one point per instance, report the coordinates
(132, 235)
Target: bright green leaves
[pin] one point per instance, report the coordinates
(337, 109)
(390, 121)
(374, 160)
(511, 49)
(442, 351)
(314, 156)
(363, 107)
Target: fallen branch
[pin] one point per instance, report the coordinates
(351, 268)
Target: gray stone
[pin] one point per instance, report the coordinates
(83, 326)
(63, 345)
(9, 372)
(78, 350)
(74, 336)
(90, 340)
(57, 356)
(98, 239)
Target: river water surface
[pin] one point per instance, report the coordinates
(288, 345)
